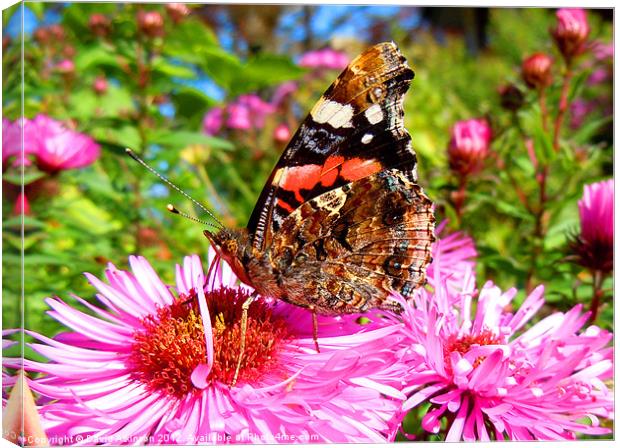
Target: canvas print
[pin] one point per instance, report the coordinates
(306, 224)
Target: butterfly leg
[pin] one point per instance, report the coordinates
(315, 329)
(244, 328)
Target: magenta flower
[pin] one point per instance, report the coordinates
(213, 121)
(282, 92)
(488, 379)
(246, 112)
(571, 31)
(282, 133)
(66, 66)
(12, 142)
(579, 110)
(325, 58)
(60, 148)
(453, 260)
(594, 246)
(469, 146)
(154, 365)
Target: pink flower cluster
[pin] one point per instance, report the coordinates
(246, 112)
(152, 364)
(326, 58)
(53, 146)
(494, 381)
(469, 146)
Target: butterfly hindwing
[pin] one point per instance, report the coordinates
(349, 248)
(355, 130)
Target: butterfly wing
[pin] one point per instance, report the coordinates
(355, 130)
(348, 249)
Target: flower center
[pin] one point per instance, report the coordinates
(464, 343)
(172, 342)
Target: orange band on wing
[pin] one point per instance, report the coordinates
(285, 205)
(304, 177)
(357, 168)
(329, 173)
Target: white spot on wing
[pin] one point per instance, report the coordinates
(374, 114)
(336, 114)
(367, 138)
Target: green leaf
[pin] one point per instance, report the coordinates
(167, 68)
(95, 56)
(83, 103)
(189, 41)
(38, 8)
(221, 66)
(29, 222)
(182, 139)
(126, 136)
(190, 102)
(272, 69)
(115, 101)
(577, 85)
(29, 177)
(589, 129)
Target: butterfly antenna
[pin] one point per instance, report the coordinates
(172, 209)
(134, 156)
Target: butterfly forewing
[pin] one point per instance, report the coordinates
(355, 130)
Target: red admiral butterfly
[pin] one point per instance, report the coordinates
(341, 222)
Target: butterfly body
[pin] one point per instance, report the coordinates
(341, 223)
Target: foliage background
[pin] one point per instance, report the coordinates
(159, 89)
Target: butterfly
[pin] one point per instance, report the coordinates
(341, 223)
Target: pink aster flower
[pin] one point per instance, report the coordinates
(12, 142)
(454, 257)
(487, 379)
(594, 246)
(153, 364)
(60, 148)
(238, 117)
(469, 145)
(213, 121)
(325, 58)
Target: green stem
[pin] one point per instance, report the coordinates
(563, 106)
(597, 294)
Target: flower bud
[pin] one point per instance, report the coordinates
(57, 32)
(511, 97)
(99, 25)
(177, 11)
(66, 67)
(100, 85)
(571, 31)
(22, 206)
(594, 246)
(151, 23)
(536, 71)
(6, 41)
(282, 133)
(68, 51)
(42, 35)
(469, 146)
